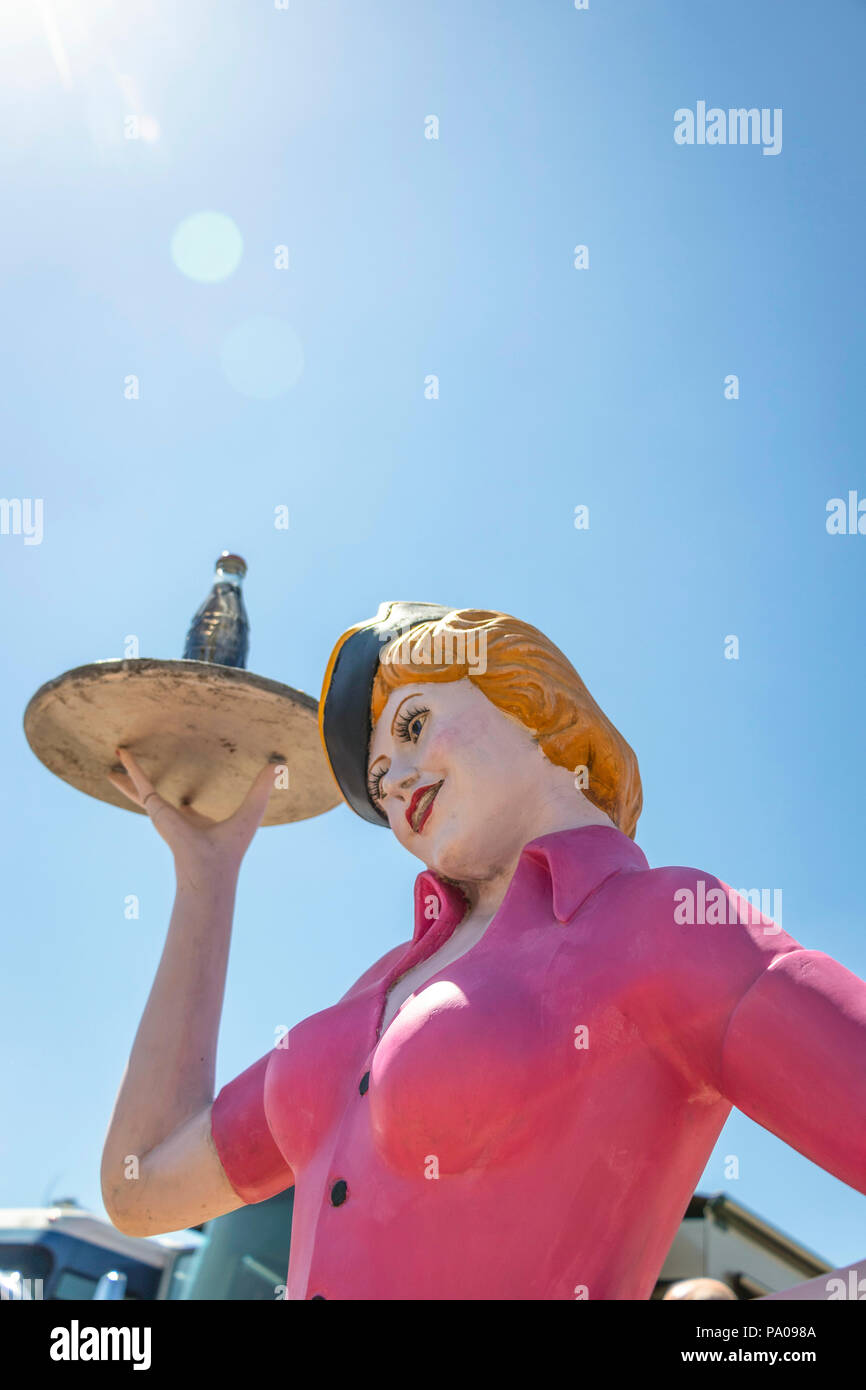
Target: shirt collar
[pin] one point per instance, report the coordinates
(576, 862)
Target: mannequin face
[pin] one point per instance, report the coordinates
(464, 785)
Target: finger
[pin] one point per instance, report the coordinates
(139, 779)
(127, 788)
(138, 789)
(156, 806)
(253, 806)
(151, 804)
(261, 787)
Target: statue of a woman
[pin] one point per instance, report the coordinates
(518, 1102)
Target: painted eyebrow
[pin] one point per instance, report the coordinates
(416, 696)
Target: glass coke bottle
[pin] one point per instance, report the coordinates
(220, 630)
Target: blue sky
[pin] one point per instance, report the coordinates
(558, 387)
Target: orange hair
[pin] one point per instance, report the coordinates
(528, 677)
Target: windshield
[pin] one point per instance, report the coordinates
(24, 1267)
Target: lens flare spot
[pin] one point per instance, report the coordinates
(207, 246)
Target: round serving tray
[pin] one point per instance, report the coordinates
(200, 731)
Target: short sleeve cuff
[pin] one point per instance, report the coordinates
(250, 1158)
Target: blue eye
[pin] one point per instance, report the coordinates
(408, 728)
(409, 725)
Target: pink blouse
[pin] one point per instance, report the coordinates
(533, 1122)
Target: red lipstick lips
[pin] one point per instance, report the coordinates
(421, 805)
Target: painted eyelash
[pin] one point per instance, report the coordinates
(373, 784)
(402, 731)
(402, 725)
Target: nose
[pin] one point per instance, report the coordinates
(398, 778)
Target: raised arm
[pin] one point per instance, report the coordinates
(161, 1169)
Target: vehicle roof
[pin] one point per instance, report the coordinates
(85, 1225)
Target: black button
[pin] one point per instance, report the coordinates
(338, 1193)
(318, 1295)
(364, 1083)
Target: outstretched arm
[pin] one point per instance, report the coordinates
(794, 1060)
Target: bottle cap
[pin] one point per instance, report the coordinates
(231, 564)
